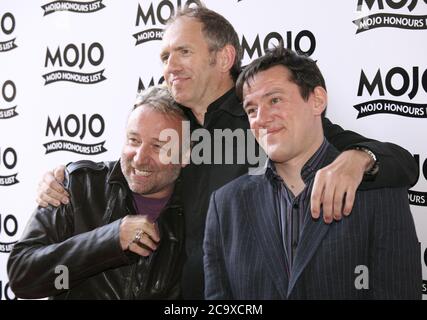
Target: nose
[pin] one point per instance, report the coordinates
(142, 155)
(172, 64)
(263, 116)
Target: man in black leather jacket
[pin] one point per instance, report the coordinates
(121, 236)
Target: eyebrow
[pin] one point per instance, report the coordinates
(265, 95)
(157, 140)
(164, 51)
(132, 133)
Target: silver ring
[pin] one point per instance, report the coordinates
(139, 233)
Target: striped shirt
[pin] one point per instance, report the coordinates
(291, 211)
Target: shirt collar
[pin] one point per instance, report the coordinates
(228, 102)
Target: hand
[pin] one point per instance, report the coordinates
(133, 227)
(50, 190)
(335, 185)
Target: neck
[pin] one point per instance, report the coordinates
(199, 110)
(167, 192)
(290, 170)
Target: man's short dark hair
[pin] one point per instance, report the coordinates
(217, 30)
(304, 71)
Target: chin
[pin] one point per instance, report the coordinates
(178, 98)
(277, 156)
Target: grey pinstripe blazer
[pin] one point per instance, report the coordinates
(244, 257)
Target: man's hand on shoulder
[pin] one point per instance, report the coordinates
(50, 190)
(335, 185)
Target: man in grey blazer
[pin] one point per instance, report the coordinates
(261, 241)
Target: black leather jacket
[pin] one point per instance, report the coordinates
(84, 237)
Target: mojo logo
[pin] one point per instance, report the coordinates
(290, 40)
(6, 292)
(141, 85)
(8, 93)
(8, 160)
(7, 26)
(8, 227)
(398, 82)
(72, 6)
(75, 56)
(156, 15)
(74, 126)
(392, 20)
(419, 198)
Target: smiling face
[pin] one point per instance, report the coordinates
(286, 126)
(140, 161)
(189, 67)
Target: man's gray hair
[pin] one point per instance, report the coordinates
(159, 98)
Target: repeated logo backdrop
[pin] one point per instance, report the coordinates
(69, 72)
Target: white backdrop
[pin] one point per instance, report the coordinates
(69, 72)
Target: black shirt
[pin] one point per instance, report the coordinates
(200, 180)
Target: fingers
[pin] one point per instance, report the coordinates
(343, 200)
(328, 203)
(50, 183)
(349, 201)
(44, 200)
(59, 173)
(139, 235)
(51, 192)
(139, 250)
(327, 196)
(316, 197)
(41, 203)
(335, 186)
(152, 231)
(144, 246)
(323, 196)
(341, 191)
(146, 242)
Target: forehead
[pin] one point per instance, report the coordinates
(277, 76)
(183, 30)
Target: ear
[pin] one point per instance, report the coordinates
(320, 100)
(225, 58)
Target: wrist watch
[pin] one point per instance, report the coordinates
(375, 168)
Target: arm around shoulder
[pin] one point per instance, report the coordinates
(397, 167)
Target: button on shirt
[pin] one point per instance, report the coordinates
(292, 211)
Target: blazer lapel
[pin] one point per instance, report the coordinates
(260, 209)
(312, 233)
(311, 236)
